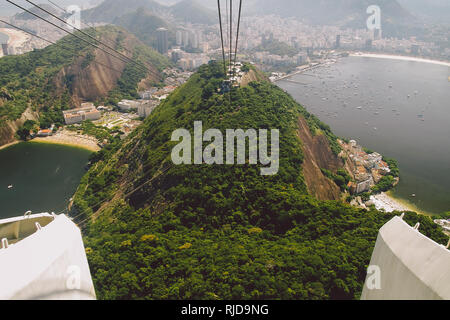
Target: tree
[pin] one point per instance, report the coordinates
(24, 131)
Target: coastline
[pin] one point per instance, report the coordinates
(9, 145)
(396, 57)
(68, 141)
(388, 202)
(73, 145)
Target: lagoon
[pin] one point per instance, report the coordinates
(43, 177)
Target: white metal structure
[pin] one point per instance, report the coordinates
(42, 256)
(406, 265)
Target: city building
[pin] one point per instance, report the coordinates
(364, 186)
(85, 112)
(185, 39)
(179, 37)
(377, 34)
(145, 95)
(145, 108)
(193, 40)
(367, 169)
(5, 49)
(127, 105)
(176, 55)
(445, 224)
(163, 40)
(45, 133)
(373, 160)
(338, 41)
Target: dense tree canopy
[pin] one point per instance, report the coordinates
(154, 230)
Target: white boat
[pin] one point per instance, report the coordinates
(42, 257)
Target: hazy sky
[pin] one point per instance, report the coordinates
(7, 9)
(432, 8)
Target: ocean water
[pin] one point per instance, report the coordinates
(44, 177)
(398, 108)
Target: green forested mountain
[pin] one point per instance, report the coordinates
(330, 11)
(143, 24)
(192, 12)
(71, 71)
(27, 16)
(154, 230)
(109, 10)
(274, 46)
(184, 11)
(395, 19)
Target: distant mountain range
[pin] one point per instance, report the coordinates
(109, 10)
(7, 9)
(28, 16)
(143, 24)
(436, 11)
(329, 11)
(193, 12)
(396, 20)
(185, 11)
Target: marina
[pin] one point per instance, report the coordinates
(369, 100)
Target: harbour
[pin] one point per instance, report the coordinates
(398, 108)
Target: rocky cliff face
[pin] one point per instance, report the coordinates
(100, 76)
(9, 128)
(86, 74)
(92, 82)
(318, 155)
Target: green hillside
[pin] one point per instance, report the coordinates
(154, 230)
(185, 11)
(274, 46)
(25, 79)
(396, 20)
(192, 12)
(35, 10)
(143, 24)
(45, 80)
(109, 10)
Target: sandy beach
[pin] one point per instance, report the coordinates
(384, 201)
(404, 58)
(70, 138)
(8, 145)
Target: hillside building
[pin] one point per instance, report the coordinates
(163, 40)
(127, 105)
(87, 111)
(146, 107)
